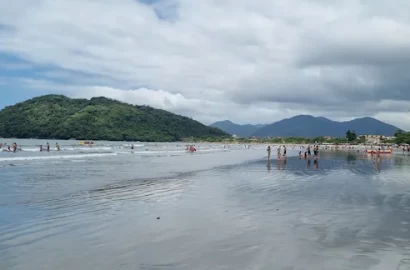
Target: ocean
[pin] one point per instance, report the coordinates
(222, 207)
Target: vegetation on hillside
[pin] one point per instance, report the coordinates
(56, 116)
(402, 137)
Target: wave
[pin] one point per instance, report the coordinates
(37, 149)
(135, 145)
(56, 157)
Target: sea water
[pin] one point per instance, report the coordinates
(223, 207)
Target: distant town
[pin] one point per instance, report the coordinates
(351, 138)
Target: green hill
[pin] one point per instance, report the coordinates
(59, 117)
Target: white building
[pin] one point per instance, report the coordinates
(376, 139)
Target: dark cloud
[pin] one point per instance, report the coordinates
(240, 60)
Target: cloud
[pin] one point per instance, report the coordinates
(212, 60)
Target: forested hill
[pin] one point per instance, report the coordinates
(59, 117)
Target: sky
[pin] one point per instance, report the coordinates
(247, 61)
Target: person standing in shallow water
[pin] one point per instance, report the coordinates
(268, 150)
(48, 147)
(57, 147)
(279, 152)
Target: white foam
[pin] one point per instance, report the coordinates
(159, 152)
(135, 145)
(93, 148)
(56, 157)
(31, 149)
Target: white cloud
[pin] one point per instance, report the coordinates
(246, 61)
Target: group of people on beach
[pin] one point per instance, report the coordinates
(269, 150)
(48, 147)
(12, 148)
(308, 152)
(282, 156)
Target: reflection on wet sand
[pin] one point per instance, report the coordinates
(345, 215)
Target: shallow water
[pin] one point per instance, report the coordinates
(219, 208)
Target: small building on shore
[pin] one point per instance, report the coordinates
(377, 139)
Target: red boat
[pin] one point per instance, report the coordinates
(374, 152)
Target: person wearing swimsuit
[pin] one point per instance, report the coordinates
(316, 150)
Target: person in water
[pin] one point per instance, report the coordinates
(284, 151)
(268, 150)
(308, 151)
(305, 154)
(41, 148)
(279, 153)
(14, 147)
(300, 154)
(316, 151)
(57, 147)
(132, 147)
(48, 147)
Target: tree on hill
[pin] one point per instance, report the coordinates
(351, 135)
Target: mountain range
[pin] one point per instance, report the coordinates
(235, 129)
(309, 126)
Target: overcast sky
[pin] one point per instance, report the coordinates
(246, 61)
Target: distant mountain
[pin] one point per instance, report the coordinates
(309, 126)
(99, 118)
(235, 129)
